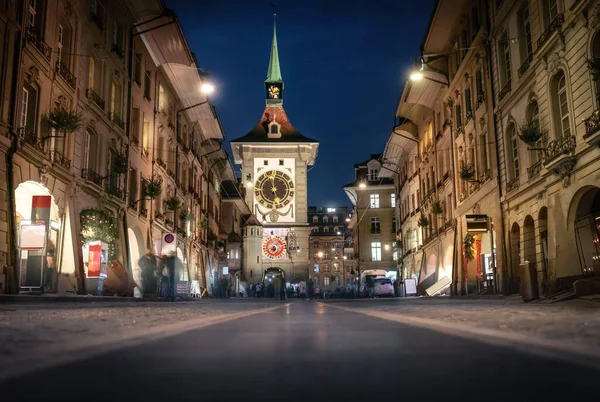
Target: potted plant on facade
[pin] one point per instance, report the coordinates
(211, 237)
(64, 120)
(172, 203)
(530, 132)
(120, 163)
(153, 187)
(423, 222)
(203, 223)
(468, 243)
(436, 207)
(186, 216)
(467, 172)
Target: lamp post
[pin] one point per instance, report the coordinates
(418, 75)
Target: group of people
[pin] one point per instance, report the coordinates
(278, 289)
(158, 275)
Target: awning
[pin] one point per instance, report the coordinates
(425, 91)
(402, 141)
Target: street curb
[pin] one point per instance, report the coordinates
(82, 299)
(575, 354)
(74, 352)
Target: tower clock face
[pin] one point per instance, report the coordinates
(274, 247)
(274, 189)
(274, 92)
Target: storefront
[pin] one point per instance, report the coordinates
(587, 232)
(39, 238)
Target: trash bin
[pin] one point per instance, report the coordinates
(529, 286)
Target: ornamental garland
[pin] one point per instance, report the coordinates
(468, 243)
(99, 225)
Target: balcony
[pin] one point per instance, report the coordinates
(505, 91)
(133, 204)
(592, 129)
(64, 72)
(534, 170)
(43, 47)
(558, 148)
(31, 138)
(512, 185)
(91, 176)
(525, 66)
(468, 117)
(554, 26)
(115, 118)
(143, 211)
(60, 160)
(480, 100)
(114, 190)
(94, 97)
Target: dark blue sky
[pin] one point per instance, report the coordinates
(344, 63)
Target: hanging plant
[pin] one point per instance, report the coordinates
(468, 243)
(173, 203)
(120, 163)
(530, 132)
(98, 225)
(409, 233)
(211, 236)
(436, 208)
(63, 120)
(594, 67)
(423, 222)
(186, 216)
(467, 172)
(153, 187)
(202, 223)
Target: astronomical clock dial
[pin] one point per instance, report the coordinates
(274, 190)
(274, 247)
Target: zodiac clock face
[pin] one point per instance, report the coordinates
(274, 189)
(274, 247)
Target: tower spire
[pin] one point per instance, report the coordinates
(274, 72)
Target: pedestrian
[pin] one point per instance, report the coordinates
(258, 290)
(302, 289)
(164, 277)
(276, 287)
(171, 260)
(282, 289)
(147, 264)
(270, 290)
(395, 288)
(310, 289)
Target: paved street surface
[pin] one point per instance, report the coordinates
(250, 350)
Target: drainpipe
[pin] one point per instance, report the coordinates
(498, 178)
(14, 144)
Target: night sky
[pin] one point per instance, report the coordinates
(344, 63)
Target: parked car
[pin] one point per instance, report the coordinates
(383, 287)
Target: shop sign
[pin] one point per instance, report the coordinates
(97, 259)
(32, 236)
(225, 270)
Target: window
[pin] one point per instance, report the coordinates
(28, 112)
(513, 152)
(458, 116)
(374, 200)
(505, 70)
(335, 219)
(325, 229)
(533, 116)
(525, 46)
(464, 43)
(266, 162)
(147, 84)
(550, 11)
(326, 281)
(560, 112)
(395, 255)
(373, 173)
(315, 219)
(24, 105)
(98, 11)
(135, 125)
(118, 39)
(90, 152)
(483, 156)
(468, 104)
(32, 13)
(274, 129)
(393, 200)
(162, 101)
(475, 24)
(596, 55)
(59, 45)
(116, 95)
(394, 224)
(375, 251)
(325, 219)
(133, 189)
(479, 86)
(280, 162)
(138, 68)
(316, 244)
(145, 136)
(375, 225)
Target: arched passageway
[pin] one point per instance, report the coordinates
(587, 230)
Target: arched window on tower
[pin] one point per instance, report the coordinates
(274, 129)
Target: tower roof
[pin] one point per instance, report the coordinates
(274, 72)
(274, 114)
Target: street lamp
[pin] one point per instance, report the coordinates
(207, 88)
(248, 181)
(418, 75)
(362, 184)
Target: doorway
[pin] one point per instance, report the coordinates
(587, 232)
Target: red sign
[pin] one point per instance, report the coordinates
(94, 259)
(478, 256)
(169, 238)
(41, 201)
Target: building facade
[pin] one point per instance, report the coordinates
(329, 245)
(110, 148)
(373, 220)
(274, 158)
(548, 129)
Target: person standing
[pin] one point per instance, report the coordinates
(147, 264)
(310, 289)
(276, 287)
(282, 289)
(172, 282)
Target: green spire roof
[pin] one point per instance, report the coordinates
(274, 73)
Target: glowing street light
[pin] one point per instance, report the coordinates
(320, 254)
(416, 76)
(207, 88)
(362, 184)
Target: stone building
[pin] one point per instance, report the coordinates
(548, 128)
(101, 103)
(329, 241)
(373, 221)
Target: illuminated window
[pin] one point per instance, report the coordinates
(375, 251)
(374, 200)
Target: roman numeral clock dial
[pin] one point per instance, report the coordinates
(274, 190)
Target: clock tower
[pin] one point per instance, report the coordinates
(275, 158)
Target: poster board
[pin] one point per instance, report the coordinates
(32, 236)
(410, 286)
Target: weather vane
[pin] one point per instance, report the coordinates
(274, 6)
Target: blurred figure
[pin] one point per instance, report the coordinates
(147, 264)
